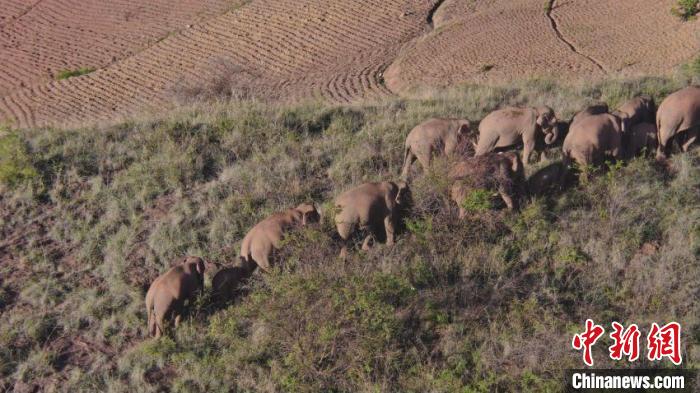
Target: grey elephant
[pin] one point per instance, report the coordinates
(375, 208)
(641, 109)
(228, 281)
(511, 126)
(592, 138)
(501, 173)
(265, 237)
(165, 299)
(642, 137)
(433, 137)
(678, 115)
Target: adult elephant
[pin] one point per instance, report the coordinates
(373, 207)
(595, 109)
(433, 137)
(640, 109)
(267, 235)
(167, 295)
(510, 126)
(678, 115)
(591, 138)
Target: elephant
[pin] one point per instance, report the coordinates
(547, 180)
(373, 207)
(509, 126)
(227, 281)
(678, 114)
(503, 173)
(166, 297)
(642, 135)
(591, 138)
(265, 237)
(640, 109)
(595, 109)
(433, 137)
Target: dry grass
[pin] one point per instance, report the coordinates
(488, 303)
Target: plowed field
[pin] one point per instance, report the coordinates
(334, 50)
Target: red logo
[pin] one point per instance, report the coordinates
(587, 339)
(626, 342)
(665, 342)
(662, 342)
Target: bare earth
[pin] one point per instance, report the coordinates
(338, 51)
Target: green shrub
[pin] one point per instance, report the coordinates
(686, 9)
(16, 166)
(65, 74)
(478, 201)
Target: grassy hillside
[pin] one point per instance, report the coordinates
(89, 217)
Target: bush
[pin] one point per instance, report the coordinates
(686, 9)
(16, 165)
(65, 74)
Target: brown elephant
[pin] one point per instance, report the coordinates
(591, 138)
(510, 126)
(373, 207)
(678, 114)
(167, 295)
(502, 173)
(641, 136)
(641, 109)
(433, 137)
(595, 109)
(227, 282)
(265, 237)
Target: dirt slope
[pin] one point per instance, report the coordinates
(334, 50)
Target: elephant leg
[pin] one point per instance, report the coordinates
(462, 212)
(528, 147)
(345, 230)
(410, 158)
(692, 136)
(424, 159)
(390, 229)
(262, 258)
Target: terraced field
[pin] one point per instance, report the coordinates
(511, 39)
(337, 51)
(291, 48)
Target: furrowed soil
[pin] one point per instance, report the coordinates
(146, 57)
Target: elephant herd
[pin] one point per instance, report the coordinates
(375, 209)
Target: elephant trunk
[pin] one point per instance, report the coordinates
(552, 136)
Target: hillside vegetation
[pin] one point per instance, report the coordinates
(89, 217)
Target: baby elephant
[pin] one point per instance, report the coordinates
(433, 137)
(227, 282)
(642, 135)
(548, 180)
(166, 297)
(376, 207)
(267, 235)
(503, 173)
